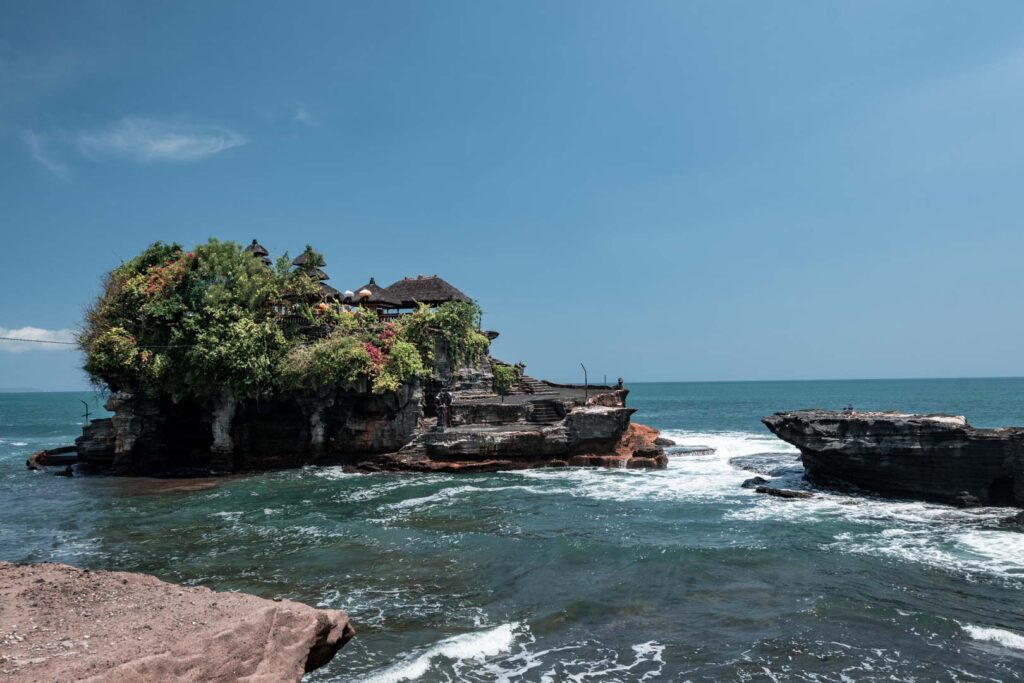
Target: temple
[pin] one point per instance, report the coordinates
(376, 378)
(397, 299)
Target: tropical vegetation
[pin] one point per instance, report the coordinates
(213, 319)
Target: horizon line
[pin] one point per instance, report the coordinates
(30, 390)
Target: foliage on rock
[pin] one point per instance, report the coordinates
(505, 377)
(456, 323)
(198, 323)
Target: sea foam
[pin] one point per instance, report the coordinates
(1009, 639)
(475, 646)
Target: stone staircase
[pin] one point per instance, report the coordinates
(544, 412)
(529, 385)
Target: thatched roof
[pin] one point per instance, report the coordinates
(256, 249)
(430, 290)
(320, 275)
(303, 258)
(378, 295)
(328, 292)
(259, 251)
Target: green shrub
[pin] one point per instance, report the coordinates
(456, 323)
(505, 377)
(112, 354)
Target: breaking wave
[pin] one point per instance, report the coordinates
(507, 653)
(1008, 639)
(458, 650)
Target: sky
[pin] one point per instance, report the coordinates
(658, 190)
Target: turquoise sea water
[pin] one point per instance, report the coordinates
(576, 575)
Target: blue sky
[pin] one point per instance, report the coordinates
(676, 191)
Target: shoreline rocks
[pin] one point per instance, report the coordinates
(63, 623)
(939, 458)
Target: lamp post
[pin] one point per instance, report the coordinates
(586, 383)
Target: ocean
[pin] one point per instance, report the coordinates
(576, 574)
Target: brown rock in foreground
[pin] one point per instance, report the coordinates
(60, 623)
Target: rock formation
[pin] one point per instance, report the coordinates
(552, 425)
(929, 457)
(60, 623)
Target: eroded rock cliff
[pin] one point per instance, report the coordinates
(931, 457)
(398, 430)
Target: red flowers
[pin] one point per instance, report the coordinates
(387, 335)
(376, 355)
(167, 276)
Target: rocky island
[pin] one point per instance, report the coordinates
(938, 458)
(219, 359)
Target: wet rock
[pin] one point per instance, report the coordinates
(754, 482)
(966, 500)
(1014, 522)
(117, 626)
(783, 493)
(663, 441)
(692, 450)
(769, 464)
(938, 458)
(647, 463)
(651, 451)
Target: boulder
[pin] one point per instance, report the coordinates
(60, 623)
(663, 441)
(754, 482)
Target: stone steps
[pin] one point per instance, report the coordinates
(529, 385)
(544, 412)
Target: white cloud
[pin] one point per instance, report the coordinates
(151, 141)
(38, 334)
(304, 116)
(39, 147)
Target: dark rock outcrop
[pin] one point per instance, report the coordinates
(783, 493)
(691, 450)
(60, 623)
(754, 482)
(1015, 522)
(390, 431)
(769, 464)
(587, 435)
(928, 457)
(159, 436)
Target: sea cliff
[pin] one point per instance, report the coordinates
(939, 458)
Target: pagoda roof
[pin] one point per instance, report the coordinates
(328, 292)
(378, 295)
(303, 260)
(256, 249)
(430, 290)
(259, 251)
